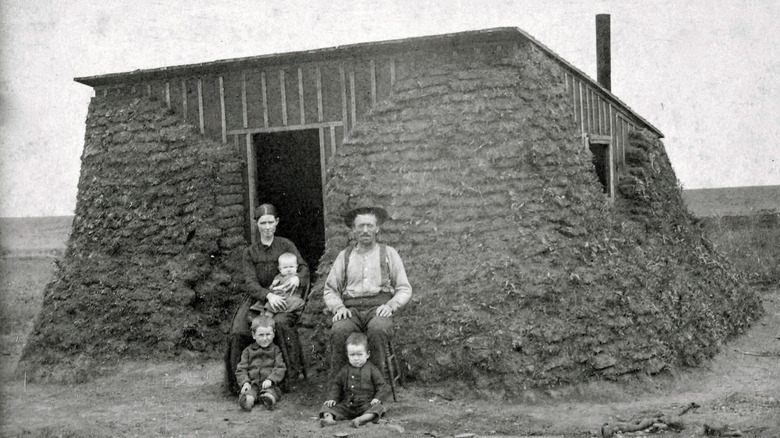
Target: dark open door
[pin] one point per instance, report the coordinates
(601, 164)
(289, 177)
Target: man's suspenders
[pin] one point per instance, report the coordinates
(384, 267)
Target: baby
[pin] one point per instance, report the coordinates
(288, 267)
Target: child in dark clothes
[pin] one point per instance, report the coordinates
(261, 368)
(357, 390)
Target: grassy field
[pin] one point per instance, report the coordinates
(732, 201)
(751, 243)
(34, 236)
(743, 224)
(22, 280)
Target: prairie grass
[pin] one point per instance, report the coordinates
(22, 281)
(752, 243)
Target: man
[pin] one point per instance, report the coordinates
(366, 285)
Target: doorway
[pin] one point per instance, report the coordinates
(289, 176)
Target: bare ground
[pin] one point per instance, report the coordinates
(739, 388)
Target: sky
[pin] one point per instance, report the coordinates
(704, 72)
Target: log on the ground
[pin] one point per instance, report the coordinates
(646, 420)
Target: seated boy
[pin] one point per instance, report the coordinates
(357, 390)
(288, 267)
(261, 367)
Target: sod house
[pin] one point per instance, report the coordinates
(538, 216)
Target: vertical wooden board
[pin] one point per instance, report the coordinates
(583, 112)
(613, 135)
(383, 85)
(244, 113)
(274, 97)
(584, 106)
(264, 98)
(254, 99)
(604, 117)
(591, 113)
(167, 97)
(330, 143)
(619, 145)
(223, 122)
(310, 93)
(333, 141)
(251, 171)
(331, 92)
(623, 133)
(293, 98)
(626, 129)
(362, 89)
(599, 115)
(335, 147)
(345, 98)
(372, 72)
(352, 101)
(392, 73)
(323, 165)
(283, 96)
(576, 99)
(325, 147)
(193, 116)
(234, 108)
(594, 99)
(212, 108)
(176, 93)
(318, 80)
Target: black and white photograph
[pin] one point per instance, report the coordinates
(447, 219)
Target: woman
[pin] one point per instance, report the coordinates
(260, 264)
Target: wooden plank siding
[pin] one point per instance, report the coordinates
(327, 95)
(595, 113)
(334, 95)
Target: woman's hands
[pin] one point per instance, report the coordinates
(276, 302)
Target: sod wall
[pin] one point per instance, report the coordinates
(525, 275)
(150, 265)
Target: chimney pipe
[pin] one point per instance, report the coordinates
(603, 56)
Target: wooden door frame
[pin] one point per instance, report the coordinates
(605, 140)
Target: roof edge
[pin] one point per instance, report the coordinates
(371, 47)
(351, 50)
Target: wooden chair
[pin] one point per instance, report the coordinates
(393, 370)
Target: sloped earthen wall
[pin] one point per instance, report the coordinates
(524, 274)
(150, 265)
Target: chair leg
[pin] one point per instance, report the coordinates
(299, 350)
(393, 371)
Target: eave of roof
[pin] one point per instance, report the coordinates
(377, 48)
